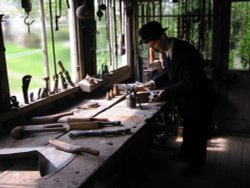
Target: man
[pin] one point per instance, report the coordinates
(184, 82)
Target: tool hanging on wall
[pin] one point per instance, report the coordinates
(202, 25)
(27, 6)
(82, 12)
(55, 77)
(115, 35)
(142, 14)
(160, 10)
(58, 13)
(148, 11)
(153, 9)
(101, 7)
(122, 49)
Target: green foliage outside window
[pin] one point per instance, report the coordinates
(239, 54)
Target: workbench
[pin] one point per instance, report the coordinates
(116, 152)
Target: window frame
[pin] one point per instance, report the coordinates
(118, 75)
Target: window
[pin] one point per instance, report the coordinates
(110, 35)
(239, 49)
(187, 20)
(30, 48)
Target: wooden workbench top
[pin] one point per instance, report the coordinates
(83, 166)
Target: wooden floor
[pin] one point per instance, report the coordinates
(228, 166)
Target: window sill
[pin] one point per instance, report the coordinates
(118, 76)
(12, 113)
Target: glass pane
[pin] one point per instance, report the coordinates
(24, 50)
(110, 34)
(102, 39)
(183, 20)
(239, 55)
(61, 38)
(24, 54)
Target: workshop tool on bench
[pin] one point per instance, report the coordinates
(19, 131)
(39, 93)
(50, 118)
(68, 78)
(64, 84)
(26, 81)
(55, 89)
(46, 90)
(46, 159)
(70, 148)
(32, 97)
(67, 119)
(99, 133)
(64, 117)
(13, 102)
(132, 98)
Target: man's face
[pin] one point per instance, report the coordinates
(157, 45)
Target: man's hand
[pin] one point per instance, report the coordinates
(150, 85)
(161, 96)
(143, 87)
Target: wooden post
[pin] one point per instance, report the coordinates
(4, 84)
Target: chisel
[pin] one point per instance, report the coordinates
(99, 133)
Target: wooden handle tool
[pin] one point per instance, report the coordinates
(79, 119)
(99, 133)
(19, 131)
(70, 148)
(50, 118)
(92, 125)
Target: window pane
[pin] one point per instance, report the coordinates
(110, 34)
(102, 42)
(239, 55)
(191, 22)
(61, 38)
(23, 50)
(26, 51)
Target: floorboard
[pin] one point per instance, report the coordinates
(228, 165)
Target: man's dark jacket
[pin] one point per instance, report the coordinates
(186, 81)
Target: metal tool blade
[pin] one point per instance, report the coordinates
(50, 160)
